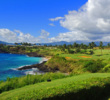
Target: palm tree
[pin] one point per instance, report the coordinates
(16, 43)
(93, 44)
(81, 45)
(64, 46)
(85, 47)
(75, 45)
(90, 46)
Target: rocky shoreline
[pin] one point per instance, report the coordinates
(41, 66)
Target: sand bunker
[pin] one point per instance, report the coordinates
(85, 56)
(68, 58)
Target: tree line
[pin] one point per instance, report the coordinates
(71, 48)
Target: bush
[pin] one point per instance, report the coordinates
(94, 66)
(91, 52)
(77, 50)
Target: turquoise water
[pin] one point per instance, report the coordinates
(9, 63)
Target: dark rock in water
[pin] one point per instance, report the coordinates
(40, 66)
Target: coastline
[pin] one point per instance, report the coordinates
(40, 66)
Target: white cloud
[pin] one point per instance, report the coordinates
(92, 20)
(17, 36)
(56, 19)
(7, 35)
(69, 36)
(51, 24)
(44, 34)
(91, 23)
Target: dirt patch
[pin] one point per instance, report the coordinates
(68, 58)
(85, 56)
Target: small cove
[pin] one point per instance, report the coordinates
(9, 63)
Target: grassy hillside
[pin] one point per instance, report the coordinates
(60, 88)
(13, 83)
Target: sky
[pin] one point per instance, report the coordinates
(39, 21)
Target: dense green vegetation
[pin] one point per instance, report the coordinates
(82, 87)
(78, 66)
(90, 61)
(14, 83)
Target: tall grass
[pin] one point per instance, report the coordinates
(27, 80)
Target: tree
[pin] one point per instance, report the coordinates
(82, 45)
(101, 46)
(69, 46)
(90, 46)
(16, 43)
(77, 50)
(93, 44)
(45, 45)
(75, 45)
(85, 47)
(61, 48)
(64, 46)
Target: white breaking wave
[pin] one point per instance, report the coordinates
(34, 72)
(43, 59)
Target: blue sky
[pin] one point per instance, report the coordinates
(32, 19)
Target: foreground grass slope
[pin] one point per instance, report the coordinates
(13, 83)
(58, 88)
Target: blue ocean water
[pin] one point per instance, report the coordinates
(9, 62)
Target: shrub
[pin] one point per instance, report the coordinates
(77, 50)
(94, 66)
(91, 52)
(27, 80)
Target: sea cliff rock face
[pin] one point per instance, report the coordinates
(1, 51)
(40, 66)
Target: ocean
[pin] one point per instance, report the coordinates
(9, 63)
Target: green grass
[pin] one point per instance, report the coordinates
(41, 90)
(96, 55)
(13, 83)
